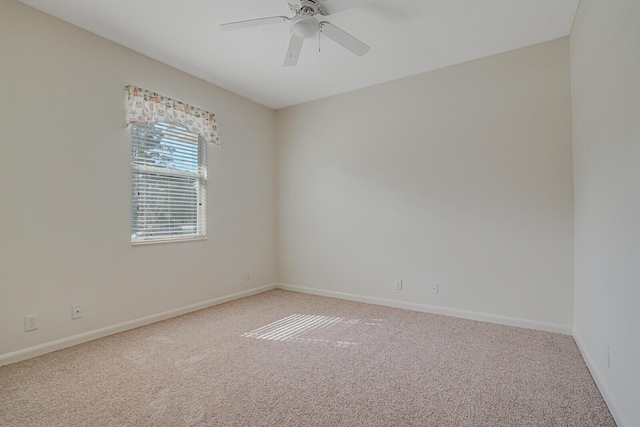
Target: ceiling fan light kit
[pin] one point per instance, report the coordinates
(305, 25)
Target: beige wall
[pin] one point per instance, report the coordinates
(461, 176)
(605, 70)
(65, 187)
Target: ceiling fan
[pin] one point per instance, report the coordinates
(305, 24)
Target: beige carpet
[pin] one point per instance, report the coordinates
(288, 359)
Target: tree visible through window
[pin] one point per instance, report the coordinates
(169, 183)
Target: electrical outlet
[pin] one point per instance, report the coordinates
(247, 276)
(76, 311)
(434, 288)
(30, 322)
(398, 285)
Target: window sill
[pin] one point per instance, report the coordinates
(153, 242)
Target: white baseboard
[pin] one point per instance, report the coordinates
(41, 349)
(44, 348)
(483, 317)
(48, 347)
(602, 385)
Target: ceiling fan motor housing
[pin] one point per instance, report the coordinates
(309, 7)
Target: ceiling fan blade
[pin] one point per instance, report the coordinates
(343, 38)
(253, 23)
(294, 5)
(334, 6)
(293, 53)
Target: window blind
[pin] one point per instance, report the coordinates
(169, 183)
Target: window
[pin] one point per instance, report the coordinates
(168, 183)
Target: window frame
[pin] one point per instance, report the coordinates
(162, 176)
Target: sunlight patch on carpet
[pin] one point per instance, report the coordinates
(305, 328)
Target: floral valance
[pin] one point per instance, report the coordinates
(144, 106)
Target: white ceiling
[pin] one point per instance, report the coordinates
(407, 37)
